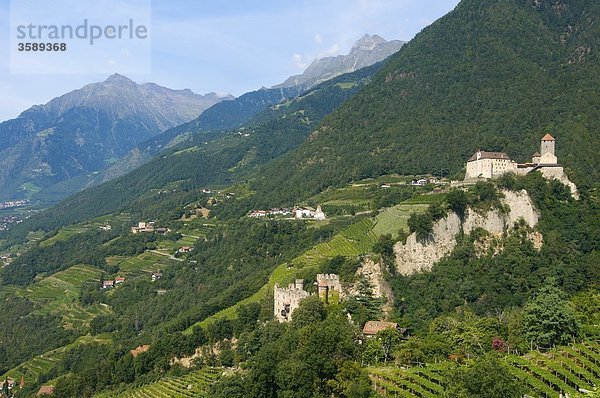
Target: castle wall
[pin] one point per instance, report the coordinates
(489, 168)
(287, 299)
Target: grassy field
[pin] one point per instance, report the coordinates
(193, 384)
(59, 294)
(43, 363)
(391, 220)
(566, 369)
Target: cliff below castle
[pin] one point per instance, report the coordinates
(414, 255)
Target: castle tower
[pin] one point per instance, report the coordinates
(323, 291)
(547, 150)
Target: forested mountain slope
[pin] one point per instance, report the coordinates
(495, 75)
(195, 164)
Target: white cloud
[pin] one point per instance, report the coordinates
(298, 61)
(318, 38)
(332, 51)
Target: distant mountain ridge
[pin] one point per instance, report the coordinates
(85, 130)
(367, 51)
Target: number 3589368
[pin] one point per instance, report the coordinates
(42, 46)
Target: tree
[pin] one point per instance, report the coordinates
(457, 201)
(389, 338)
(384, 246)
(421, 224)
(351, 382)
(548, 320)
(487, 377)
(311, 310)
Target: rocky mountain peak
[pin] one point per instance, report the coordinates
(367, 43)
(368, 50)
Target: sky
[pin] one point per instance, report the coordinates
(231, 46)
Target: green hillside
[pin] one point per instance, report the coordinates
(495, 75)
(198, 163)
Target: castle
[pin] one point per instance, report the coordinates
(494, 164)
(287, 299)
(328, 286)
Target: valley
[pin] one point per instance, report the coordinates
(381, 225)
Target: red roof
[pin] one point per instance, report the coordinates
(373, 327)
(46, 390)
(141, 349)
(120, 278)
(548, 137)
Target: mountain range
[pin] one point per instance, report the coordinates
(367, 51)
(85, 130)
(104, 130)
(171, 279)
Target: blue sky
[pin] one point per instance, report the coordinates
(231, 46)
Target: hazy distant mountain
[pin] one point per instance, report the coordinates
(365, 52)
(88, 129)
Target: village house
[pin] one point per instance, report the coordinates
(119, 279)
(45, 390)
(108, 284)
(156, 276)
(371, 328)
(143, 227)
(105, 227)
(139, 350)
(185, 249)
(10, 384)
(419, 182)
(309, 212)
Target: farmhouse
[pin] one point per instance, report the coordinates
(119, 279)
(143, 227)
(108, 284)
(45, 390)
(156, 276)
(139, 350)
(371, 328)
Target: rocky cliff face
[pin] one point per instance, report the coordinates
(367, 51)
(374, 275)
(415, 256)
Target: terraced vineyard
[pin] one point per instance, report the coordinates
(357, 239)
(59, 294)
(354, 240)
(43, 363)
(566, 369)
(391, 220)
(144, 263)
(194, 384)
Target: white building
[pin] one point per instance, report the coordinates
(489, 165)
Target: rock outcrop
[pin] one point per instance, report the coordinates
(415, 256)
